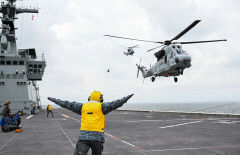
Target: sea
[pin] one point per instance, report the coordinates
(198, 107)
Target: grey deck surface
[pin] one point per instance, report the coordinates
(127, 133)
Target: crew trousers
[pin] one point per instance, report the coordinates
(83, 147)
(49, 111)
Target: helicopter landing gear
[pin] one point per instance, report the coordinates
(153, 79)
(181, 72)
(175, 79)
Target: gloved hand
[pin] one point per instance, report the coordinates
(129, 96)
(52, 99)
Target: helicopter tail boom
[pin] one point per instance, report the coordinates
(145, 72)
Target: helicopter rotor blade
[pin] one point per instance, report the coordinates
(137, 72)
(185, 30)
(136, 46)
(134, 39)
(155, 48)
(195, 42)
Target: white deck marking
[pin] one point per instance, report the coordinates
(65, 115)
(70, 117)
(29, 116)
(144, 121)
(65, 134)
(122, 141)
(196, 148)
(105, 133)
(170, 126)
(10, 140)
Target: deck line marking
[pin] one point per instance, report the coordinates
(197, 148)
(65, 134)
(105, 133)
(29, 116)
(144, 121)
(170, 126)
(70, 117)
(123, 141)
(10, 140)
(65, 115)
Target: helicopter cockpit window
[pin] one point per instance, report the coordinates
(178, 51)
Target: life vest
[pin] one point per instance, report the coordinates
(49, 107)
(92, 117)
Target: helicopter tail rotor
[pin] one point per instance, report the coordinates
(139, 67)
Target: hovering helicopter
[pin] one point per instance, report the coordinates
(130, 50)
(171, 59)
(108, 70)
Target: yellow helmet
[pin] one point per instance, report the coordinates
(96, 96)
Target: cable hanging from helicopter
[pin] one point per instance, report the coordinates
(171, 58)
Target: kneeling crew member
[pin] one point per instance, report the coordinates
(92, 120)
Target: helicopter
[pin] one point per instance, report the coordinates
(172, 59)
(108, 70)
(130, 50)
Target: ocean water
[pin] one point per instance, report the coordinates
(205, 107)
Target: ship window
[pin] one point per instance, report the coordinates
(39, 66)
(2, 62)
(35, 66)
(8, 76)
(14, 62)
(8, 63)
(20, 76)
(35, 71)
(14, 76)
(21, 62)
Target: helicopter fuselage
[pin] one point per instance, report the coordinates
(171, 61)
(130, 51)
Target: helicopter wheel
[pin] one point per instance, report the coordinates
(153, 79)
(181, 72)
(175, 79)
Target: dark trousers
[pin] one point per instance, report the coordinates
(49, 111)
(83, 146)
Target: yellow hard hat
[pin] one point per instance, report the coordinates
(96, 96)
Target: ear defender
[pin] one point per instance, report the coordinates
(101, 98)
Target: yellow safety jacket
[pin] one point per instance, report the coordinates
(49, 107)
(92, 117)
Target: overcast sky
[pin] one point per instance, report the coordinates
(70, 33)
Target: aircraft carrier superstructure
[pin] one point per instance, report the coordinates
(19, 68)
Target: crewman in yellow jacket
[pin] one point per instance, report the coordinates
(49, 110)
(92, 120)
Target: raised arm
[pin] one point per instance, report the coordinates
(73, 106)
(110, 106)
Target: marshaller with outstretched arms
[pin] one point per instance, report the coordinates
(92, 120)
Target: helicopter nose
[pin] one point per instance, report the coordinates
(184, 60)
